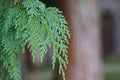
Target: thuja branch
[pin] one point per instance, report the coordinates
(30, 22)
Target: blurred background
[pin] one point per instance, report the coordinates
(94, 47)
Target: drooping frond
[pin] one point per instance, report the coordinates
(29, 22)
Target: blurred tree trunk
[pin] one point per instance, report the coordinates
(85, 44)
(112, 7)
(26, 64)
(24, 74)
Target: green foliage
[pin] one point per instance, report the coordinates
(29, 22)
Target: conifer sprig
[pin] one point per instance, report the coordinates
(29, 22)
